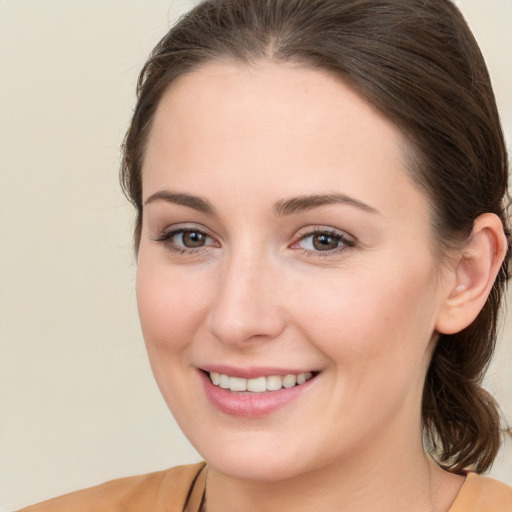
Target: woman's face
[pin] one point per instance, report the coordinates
(282, 236)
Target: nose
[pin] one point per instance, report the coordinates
(246, 307)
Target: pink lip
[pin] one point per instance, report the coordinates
(251, 405)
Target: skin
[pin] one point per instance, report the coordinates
(365, 313)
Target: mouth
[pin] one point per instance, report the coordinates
(255, 392)
(260, 384)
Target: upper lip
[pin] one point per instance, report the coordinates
(253, 372)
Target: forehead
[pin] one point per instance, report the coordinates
(276, 99)
(273, 124)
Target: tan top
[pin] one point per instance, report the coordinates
(172, 489)
(163, 491)
(482, 494)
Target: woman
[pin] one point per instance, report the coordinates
(322, 249)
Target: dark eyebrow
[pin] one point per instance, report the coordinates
(195, 202)
(304, 203)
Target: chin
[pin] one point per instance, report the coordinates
(263, 467)
(255, 458)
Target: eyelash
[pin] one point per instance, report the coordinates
(166, 239)
(346, 243)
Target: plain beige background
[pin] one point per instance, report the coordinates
(78, 404)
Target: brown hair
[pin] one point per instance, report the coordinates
(416, 61)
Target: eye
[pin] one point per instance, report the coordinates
(190, 239)
(326, 241)
(184, 240)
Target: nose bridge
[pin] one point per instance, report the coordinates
(246, 305)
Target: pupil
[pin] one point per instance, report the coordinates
(324, 242)
(193, 239)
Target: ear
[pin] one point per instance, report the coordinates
(474, 270)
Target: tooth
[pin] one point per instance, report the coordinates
(224, 381)
(289, 381)
(274, 383)
(237, 384)
(257, 385)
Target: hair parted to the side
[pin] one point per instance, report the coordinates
(418, 63)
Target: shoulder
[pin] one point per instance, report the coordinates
(160, 491)
(483, 494)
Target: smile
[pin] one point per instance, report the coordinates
(259, 384)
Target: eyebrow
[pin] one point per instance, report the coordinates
(303, 203)
(195, 202)
(283, 207)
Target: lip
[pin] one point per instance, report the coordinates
(251, 405)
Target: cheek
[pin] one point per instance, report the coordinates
(170, 307)
(375, 334)
(371, 319)
(170, 311)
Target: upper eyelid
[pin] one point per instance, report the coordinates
(313, 230)
(177, 228)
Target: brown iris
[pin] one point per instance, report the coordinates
(193, 239)
(325, 242)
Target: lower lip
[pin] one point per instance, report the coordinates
(251, 405)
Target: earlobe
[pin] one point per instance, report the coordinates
(475, 269)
